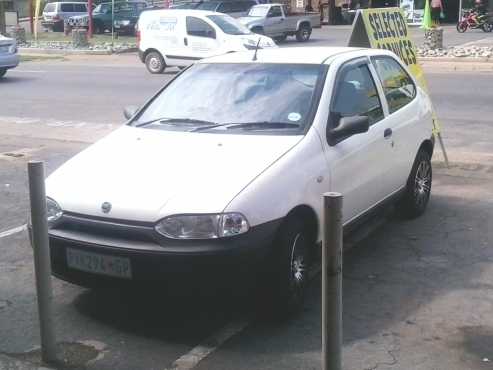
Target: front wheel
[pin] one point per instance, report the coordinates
(303, 34)
(2, 72)
(418, 187)
(291, 263)
(154, 62)
(461, 27)
(487, 27)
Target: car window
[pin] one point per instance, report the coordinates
(275, 11)
(225, 7)
(229, 25)
(258, 11)
(80, 8)
(356, 94)
(67, 8)
(50, 7)
(198, 27)
(399, 88)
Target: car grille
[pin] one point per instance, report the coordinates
(115, 229)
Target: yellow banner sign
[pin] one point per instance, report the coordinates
(386, 28)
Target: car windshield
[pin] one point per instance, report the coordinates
(258, 11)
(229, 25)
(208, 5)
(50, 8)
(236, 98)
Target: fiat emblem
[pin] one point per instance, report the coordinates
(106, 207)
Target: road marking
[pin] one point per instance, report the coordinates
(198, 353)
(15, 230)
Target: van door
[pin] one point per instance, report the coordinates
(200, 39)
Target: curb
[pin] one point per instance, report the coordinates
(27, 51)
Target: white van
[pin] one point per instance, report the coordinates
(178, 37)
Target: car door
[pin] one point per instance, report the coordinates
(403, 106)
(200, 40)
(359, 162)
(274, 22)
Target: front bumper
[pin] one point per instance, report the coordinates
(9, 60)
(171, 263)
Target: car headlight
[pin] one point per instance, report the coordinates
(53, 212)
(210, 226)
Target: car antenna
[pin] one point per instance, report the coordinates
(256, 49)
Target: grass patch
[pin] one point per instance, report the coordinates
(96, 39)
(41, 58)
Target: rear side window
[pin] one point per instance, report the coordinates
(198, 27)
(80, 8)
(67, 8)
(50, 8)
(357, 95)
(399, 88)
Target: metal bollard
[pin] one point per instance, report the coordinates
(42, 265)
(332, 282)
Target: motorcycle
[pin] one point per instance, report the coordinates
(473, 20)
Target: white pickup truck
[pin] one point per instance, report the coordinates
(275, 21)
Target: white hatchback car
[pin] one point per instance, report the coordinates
(222, 172)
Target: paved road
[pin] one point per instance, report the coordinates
(417, 293)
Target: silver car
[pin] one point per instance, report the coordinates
(8, 54)
(54, 14)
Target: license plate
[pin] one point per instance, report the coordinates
(99, 263)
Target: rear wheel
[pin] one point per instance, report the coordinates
(154, 62)
(2, 72)
(418, 187)
(461, 27)
(303, 34)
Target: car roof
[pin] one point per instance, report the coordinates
(295, 55)
(196, 12)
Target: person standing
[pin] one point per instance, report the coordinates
(436, 11)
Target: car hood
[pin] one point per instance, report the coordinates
(5, 40)
(248, 21)
(148, 174)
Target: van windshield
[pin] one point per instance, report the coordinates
(229, 25)
(236, 98)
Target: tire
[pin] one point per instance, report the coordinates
(418, 187)
(280, 38)
(291, 261)
(258, 30)
(487, 27)
(461, 27)
(154, 62)
(304, 33)
(2, 72)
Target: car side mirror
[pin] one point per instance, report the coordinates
(348, 126)
(130, 111)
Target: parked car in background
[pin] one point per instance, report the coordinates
(55, 14)
(8, 54)
(221, 174)
(186, 5)
(275, 21)
(236, 8)
(178, 37)
(125, 18)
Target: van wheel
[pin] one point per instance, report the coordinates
(155, 62)
(418, 187)
(2, 72)
(291, 264)
(303, 34)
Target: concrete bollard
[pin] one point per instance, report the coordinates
(42, 266)
(433, 39)
(332, 282)
(79, 38)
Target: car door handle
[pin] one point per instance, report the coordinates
(387, 133)
(185, 41)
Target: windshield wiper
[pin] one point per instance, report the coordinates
(165, 120)
(262, 125)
